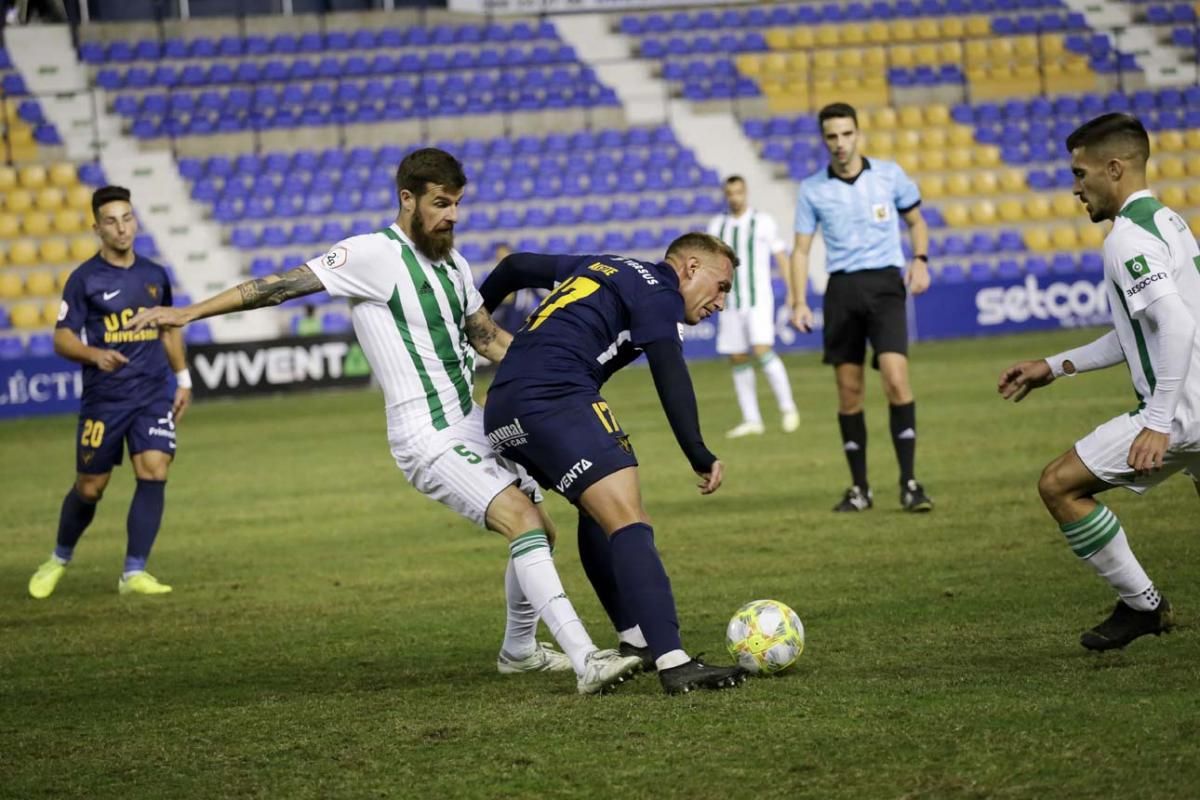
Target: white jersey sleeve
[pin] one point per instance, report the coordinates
(1140, 265)
(714, 226)
(770, 233)
(470, 292)
(352, 269)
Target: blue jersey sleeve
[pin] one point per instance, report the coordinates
(168, 296)
(72, 314)
(907, 195)
(524, 271)
(655, 315)
(806, 213)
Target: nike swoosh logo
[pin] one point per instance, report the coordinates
(111, 295)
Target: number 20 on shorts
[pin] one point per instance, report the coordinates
(93, 433)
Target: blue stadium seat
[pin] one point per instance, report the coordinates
(11, 347)
(1063, 264)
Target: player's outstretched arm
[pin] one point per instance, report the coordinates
(258, 293)
(489, 339)
(68, 345)
(519, 271)
(678, 398)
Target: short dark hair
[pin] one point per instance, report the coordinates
(734, 179)
(1122, 133)
(429, 165)
(704, 242)
(108, 194)
(837, 111)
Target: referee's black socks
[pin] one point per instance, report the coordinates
(904, 438)
(854, 443)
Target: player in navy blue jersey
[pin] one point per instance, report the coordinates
(127, 401)
(545, 412)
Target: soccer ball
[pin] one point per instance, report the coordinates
(765, 636)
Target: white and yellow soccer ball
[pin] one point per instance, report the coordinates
(765, 636)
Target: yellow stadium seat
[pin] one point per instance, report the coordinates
(83, 248)
(937, 114)
(770, 63)
(958, 185)
(959, 158)
(827, 35)
(1026, 49)
(1170, 141)
(933, 160)
(64, 175)
(1191, 138)
(3, 257)
(881, 143)
(907, 139)
(985, 182)
(935, 139)
(18, 200)
(910, 117)
(797, 62)
(983, 212)
(778, 38)
(903, 30)
(1171, 167)
(1174, 196)
(1193, 166)
(956, 215)
(932, 187)
(10, 286)
(1065, 205)
(1012, 180)
(8, 178)
(749, 65)
(1194, 224)
(1091, 237)
(1152, 170)
(987, 155)
(824, 61)
(850, 58)
(1052, 46)
(1000, 51)
(23, 252)
(68, 221)
(1065, 238)
(1193, 195)
(926, 55)
(35, 223)
(1038, 240)
(908, 162)
(9, 227)
(32, 176)
(950, 53)
(26, 315)
(63, 274)
(50, 199)
(803, 38)
(39, 284)
(927, 30)
(853, 35)
(54, 251)
(79, 197)
(953, 28)
(879, 33)
(961, 136)
(1010, 210)
(883, 119)
(50, 311)
(975, 53)
(978, 25)
(903, 56)
(874, 58)
(1038, 207)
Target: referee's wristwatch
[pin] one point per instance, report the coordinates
(923, 258)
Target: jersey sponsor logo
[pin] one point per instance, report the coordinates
(1137, 266)
(603, 269)
(1071, 304)
(115, 322)
(335, 258)
(112, 294)
(581, 466)
(641, 270)
(511, 435)
(1142, 284)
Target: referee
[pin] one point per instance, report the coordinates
(857, 205)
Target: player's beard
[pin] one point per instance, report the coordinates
(435, 245)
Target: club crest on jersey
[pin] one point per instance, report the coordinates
(335, 258)
(152, 290)
(86, 458)
(1137, 266)
(880, 212)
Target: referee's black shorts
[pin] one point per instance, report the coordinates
(866, 305)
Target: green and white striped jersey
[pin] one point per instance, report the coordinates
(754, 237)
(409, 315)
(1149, 253)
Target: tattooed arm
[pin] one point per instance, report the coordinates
(489, 339)
(269, 291)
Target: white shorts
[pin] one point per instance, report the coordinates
(458, 468)
(739, 329)
(1105, 452)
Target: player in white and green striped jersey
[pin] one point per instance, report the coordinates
(418, 317)
(1152, 271)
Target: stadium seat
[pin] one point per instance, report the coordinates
(23, 252)
(11, 286)
(32, 176)
(35, 223)
(83, 248)
(40, 284)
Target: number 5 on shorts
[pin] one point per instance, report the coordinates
(93, 433)
(470, 456)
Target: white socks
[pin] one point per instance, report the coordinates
(747, 392)
(1116, 563)
(772, 367)
(520, 625)
(675, 658)
(632, 636)
(539, 581)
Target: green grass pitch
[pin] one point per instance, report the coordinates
(332, 634)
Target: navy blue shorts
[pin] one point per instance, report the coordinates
(105, 429)
(566, 447)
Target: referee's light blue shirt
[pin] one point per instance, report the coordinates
(859, 218)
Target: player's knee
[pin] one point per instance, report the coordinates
(512, 513)
(152, 472)
(90, 491)
(1051, 485)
